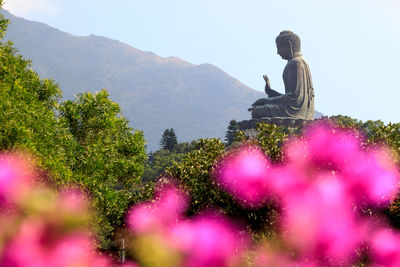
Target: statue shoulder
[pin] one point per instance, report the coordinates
(297, 62)
(298, 59)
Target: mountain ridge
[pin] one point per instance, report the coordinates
(155, 93)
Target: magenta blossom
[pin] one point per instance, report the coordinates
(15, 178)
(385, 244)
(272, 258)
(245, 174)
(208, 240)
(320, 222)
(205, 240)
(35, 246)
(372, 178)
(167, 209)
(76, 250)
(331, 147)
(72, 201)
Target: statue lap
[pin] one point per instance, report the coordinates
(298, 100)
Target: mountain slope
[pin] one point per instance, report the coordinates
(155, 93)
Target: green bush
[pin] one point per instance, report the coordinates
(195, 170)
(85, 141)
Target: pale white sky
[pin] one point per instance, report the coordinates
(351, 45)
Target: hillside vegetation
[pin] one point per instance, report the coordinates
(155, 93)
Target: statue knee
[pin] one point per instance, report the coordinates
(258, 112)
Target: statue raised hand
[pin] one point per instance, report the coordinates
(269, 91)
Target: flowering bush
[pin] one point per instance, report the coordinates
(209, 239)
(323, 187)
(40, 227)
(330, 190)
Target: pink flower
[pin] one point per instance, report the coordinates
(35, 246)
(72, 201)
(207, 241)
(76, 250)
(25, 249)
(172, 202)
(166, 210)
(245, 175)
(331, 147)
(129, 264)
(320, 222)
(385, 246)
(372, 178)
(279, 259)
(15, 178)
(143, 218)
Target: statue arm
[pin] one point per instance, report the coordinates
(260, 102)
(271, 92)
(268, 90)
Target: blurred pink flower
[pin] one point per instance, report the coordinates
(372, 178)
(332, 147)
(245, 174)
(35, 246)
(171, 203)
(129, 264)
(73, 201)
(76, 250)
(208, 241)
(167, 209)
(270, 258)
(326, 175)
(320, 221)
(25, 249)
(15, 178)
(385, 247)
(143, 218)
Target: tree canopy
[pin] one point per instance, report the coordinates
(84, 142)
(233, 129)
(168, 139)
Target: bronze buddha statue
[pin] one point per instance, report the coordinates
(298, 99)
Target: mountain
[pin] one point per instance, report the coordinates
(155, 93)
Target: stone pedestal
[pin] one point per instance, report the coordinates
(288, 122)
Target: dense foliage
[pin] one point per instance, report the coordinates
(195, 174)
(330, 189)
(107, 156)
(196, 169)
(231, 132)
(27, 115)
(168, 139)
(87, 142)
(84, 141)
(159, 160)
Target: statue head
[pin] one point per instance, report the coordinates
(287, 43)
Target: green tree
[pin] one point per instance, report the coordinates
(233, 129)
(158, 161)
(28, 120)
(85, 141)
(168, 139)
(3, 23)
(195, 170)
(108, 158)
(194, 173)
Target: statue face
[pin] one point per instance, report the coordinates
(283, 50)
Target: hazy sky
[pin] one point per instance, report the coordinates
(352, 46)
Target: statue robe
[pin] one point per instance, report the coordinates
(298, 100)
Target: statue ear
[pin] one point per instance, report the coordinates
(291, 49)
